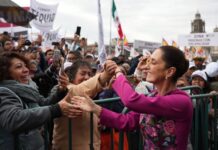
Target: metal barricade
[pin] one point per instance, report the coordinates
(192, 90)
(204, 127)
(204, 133)
(107, 101)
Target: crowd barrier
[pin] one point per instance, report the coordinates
(204, 132)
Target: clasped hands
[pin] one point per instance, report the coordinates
(73, 106)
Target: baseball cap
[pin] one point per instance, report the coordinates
(212, 69)
(199, 73)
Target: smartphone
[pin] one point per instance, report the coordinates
(56, 57)
(66, 46)
(78, 30)
(57, 53)
(61, 71)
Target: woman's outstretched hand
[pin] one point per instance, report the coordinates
(68, 109)
(86, 104)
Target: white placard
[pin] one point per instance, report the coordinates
(198, 39)
(151, 46)
(45, 15)
(49, 37)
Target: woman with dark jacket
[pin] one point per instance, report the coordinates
(22, 109)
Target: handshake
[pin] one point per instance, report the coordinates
(110, 68)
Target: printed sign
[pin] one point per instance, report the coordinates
(45, 15)
(199, 39)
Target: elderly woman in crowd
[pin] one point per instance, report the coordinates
(78, 72)
(164, 116)
(82, 84)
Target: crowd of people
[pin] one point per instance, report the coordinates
(56, 87)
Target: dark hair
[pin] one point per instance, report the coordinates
(174, 57)
(76, 53)
(49, 50)
(5, 33)
(115, 59)
(4, 42)
(73, 69)
(205, 89)
(5, 63)
(83, 39)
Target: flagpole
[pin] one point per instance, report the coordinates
(12, 31)
(122, 47)
(101, 47)
(31, 30)
(110, 51)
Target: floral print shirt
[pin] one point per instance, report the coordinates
(158, 133)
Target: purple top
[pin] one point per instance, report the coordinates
(165, 121)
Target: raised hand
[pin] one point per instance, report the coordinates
(142, 62)
(109, 70)
(110, 67)
(63, 81)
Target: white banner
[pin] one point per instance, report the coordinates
(151, 46)
(49, 37)
(45, 15)
(198, 39)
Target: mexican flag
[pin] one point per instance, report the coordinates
(117, 21)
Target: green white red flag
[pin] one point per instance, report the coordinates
(117, 21)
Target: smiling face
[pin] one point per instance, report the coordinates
(18, 71)
(8, 46)
(198, 81)
(156, 68)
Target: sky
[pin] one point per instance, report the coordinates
(147, 20)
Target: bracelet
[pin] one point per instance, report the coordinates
(117, 73)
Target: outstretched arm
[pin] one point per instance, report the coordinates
(95, 84)
(107, 117)
(175, 105)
